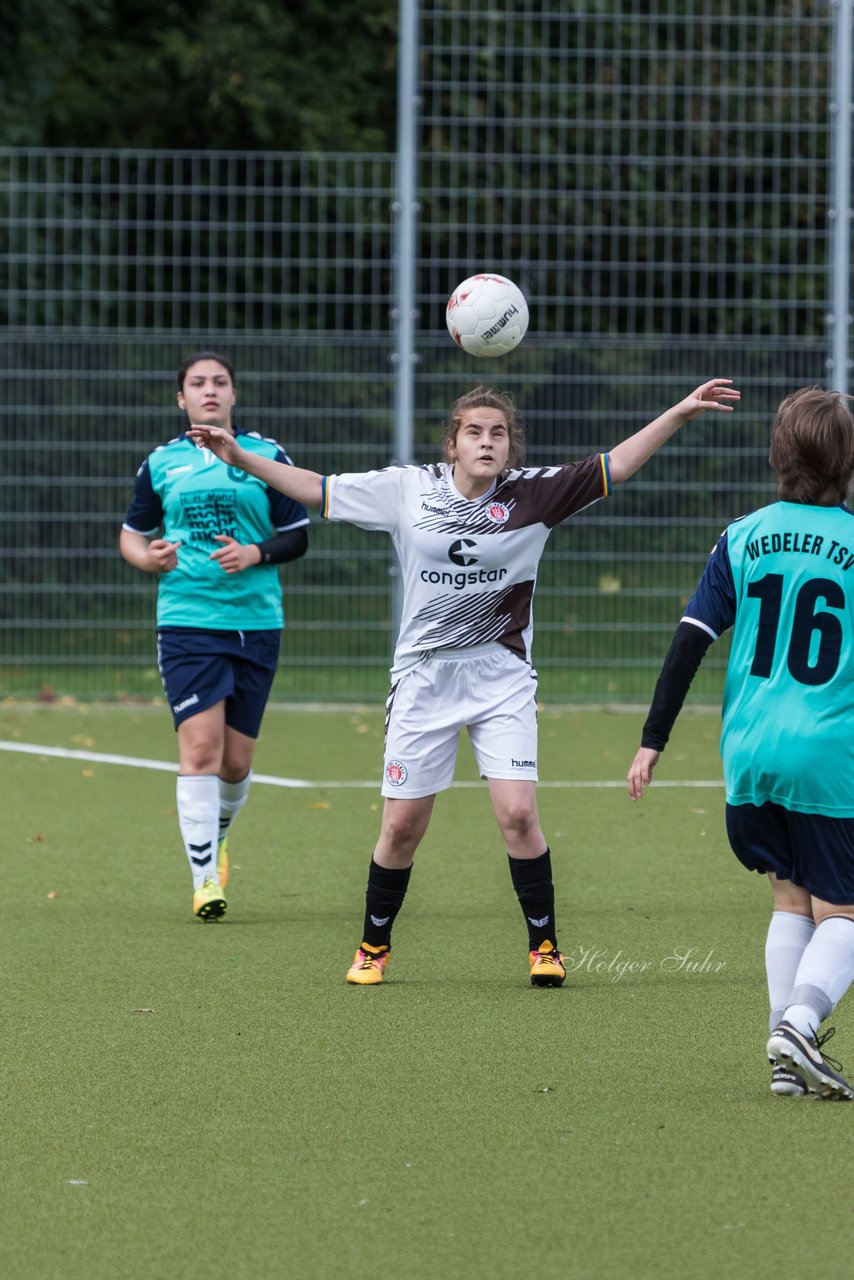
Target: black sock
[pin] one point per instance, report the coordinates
(383, 899)
(532, 880)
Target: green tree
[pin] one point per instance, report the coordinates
(248, 75)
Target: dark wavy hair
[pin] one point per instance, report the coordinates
(486, 398)
(812, 447)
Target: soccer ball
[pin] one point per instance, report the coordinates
(487, 315)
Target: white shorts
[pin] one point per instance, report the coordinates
(485, 689)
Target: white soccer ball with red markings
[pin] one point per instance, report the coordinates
(487, 315)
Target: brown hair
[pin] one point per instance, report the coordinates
(186, 365)
(486, 398)
(812, 447)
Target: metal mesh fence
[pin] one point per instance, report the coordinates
(656, 182)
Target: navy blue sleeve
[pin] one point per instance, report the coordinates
(285, 514)
(687, 650)
(712, 605)
(283, 547)
(709, 612)
(145, 513)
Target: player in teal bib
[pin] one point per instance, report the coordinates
(783, 579)
(215, 537)
(791, 661)
(204, 503)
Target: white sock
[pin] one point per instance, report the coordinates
(232, 797)
(824, 975)
(198, 818)
(788, 935)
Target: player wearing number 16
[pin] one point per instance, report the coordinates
(783, 579)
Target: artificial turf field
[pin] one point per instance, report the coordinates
(185, 1101)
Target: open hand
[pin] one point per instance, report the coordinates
(709, 396)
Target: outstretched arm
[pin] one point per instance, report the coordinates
(629, 456)
(297, 483)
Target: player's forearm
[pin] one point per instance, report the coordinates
(687, 650)
(134, 548)
(282, 548)
(295, 482)
(630, 455)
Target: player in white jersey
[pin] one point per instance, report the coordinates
(469, 533)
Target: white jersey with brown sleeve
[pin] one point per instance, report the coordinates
(469, 566)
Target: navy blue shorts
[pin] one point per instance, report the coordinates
(809, 849)
(201, 668)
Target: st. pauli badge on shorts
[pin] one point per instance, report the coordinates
(396, 773)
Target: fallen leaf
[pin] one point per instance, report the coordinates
(52, 893)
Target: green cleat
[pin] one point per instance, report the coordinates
(209, 901)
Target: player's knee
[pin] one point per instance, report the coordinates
(200, 758)
(794, 904)
(519, 820)
(825, 910)
(402, 830)
(790, 897)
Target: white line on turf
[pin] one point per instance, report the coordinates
(271, 780)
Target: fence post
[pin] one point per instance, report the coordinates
(840, 208)
(406, 209)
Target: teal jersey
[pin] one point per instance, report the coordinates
(192, 496)
(783, 577)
